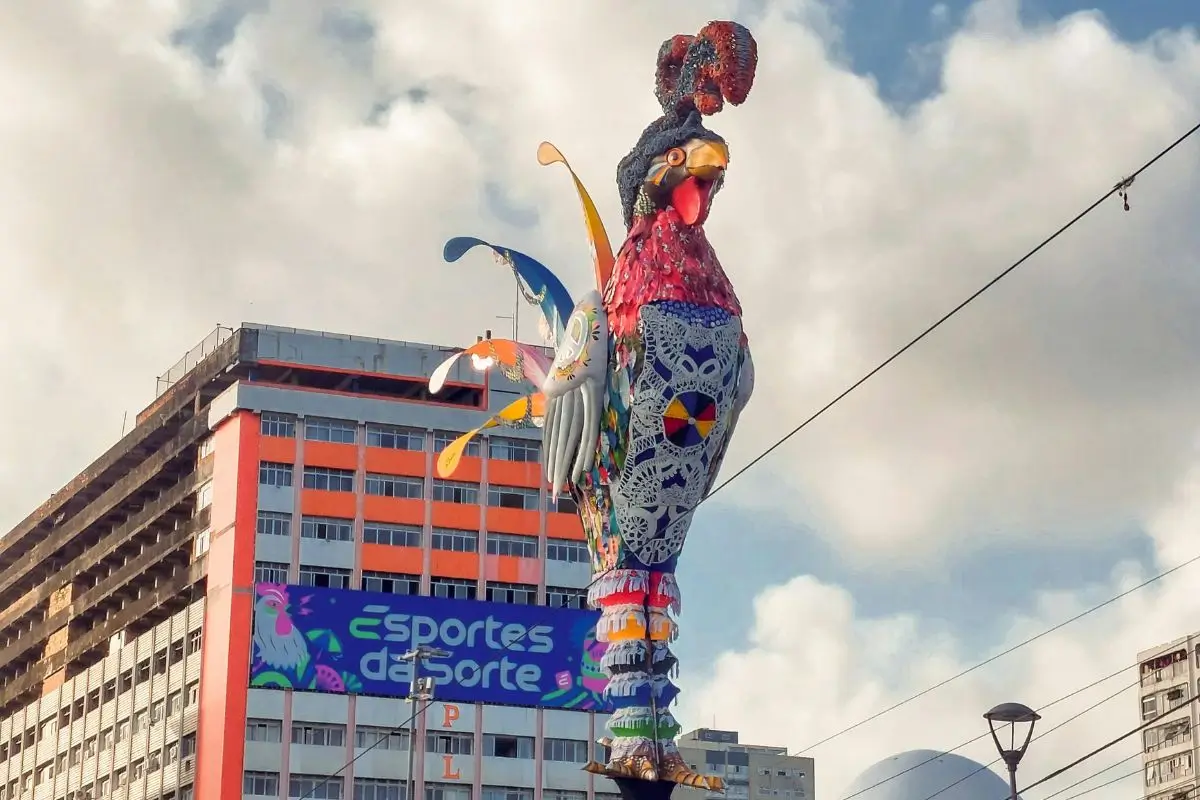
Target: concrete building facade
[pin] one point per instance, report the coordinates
(751, 772)
(1169, 678)
(287, 456)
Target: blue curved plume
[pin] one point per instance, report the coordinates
(555, 303)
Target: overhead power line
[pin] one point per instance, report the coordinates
(1119, 188)
(1097, 774)
(987, 734)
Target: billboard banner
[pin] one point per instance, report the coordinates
(340, 640)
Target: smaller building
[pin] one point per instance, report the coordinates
(751, 771)
(1169, 674)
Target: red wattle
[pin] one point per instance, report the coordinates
(689, 199)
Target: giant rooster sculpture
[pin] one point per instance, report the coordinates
(644, 390)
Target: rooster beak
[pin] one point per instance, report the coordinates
(707, 160)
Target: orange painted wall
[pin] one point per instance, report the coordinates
(455, 515)
(320, 503)
(397, 510)
(514, 473)
(564, 526)
(511, 569)
(276, 448)
(229, 602)
(389, 558)
(330, 454)
(512, 520)
(447, 564)
(396, 462)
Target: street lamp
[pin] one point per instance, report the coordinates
(1012, 714)
(418, 689)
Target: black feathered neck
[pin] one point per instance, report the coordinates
(670, 130)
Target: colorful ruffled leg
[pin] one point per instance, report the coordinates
(635, 622)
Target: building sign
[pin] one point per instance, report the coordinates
(339, 640)
(716, 736)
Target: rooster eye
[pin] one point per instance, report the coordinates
(675, 156)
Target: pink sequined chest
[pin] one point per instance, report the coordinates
(663, 259)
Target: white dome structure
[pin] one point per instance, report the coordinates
(919, 774)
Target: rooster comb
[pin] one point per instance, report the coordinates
(705, 71)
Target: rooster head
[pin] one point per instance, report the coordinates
(678, 162)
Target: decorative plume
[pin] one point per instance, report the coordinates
(704, 71)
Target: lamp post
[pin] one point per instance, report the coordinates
(1012, 714)
(418, 689)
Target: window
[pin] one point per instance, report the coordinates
(455, 492)
(120, 779)
(1170, 769)
(327, 529)
(338, 431)
(264, 730)
(378, 789)
(563, 505)
(395, 486)
(566, 794)
(498, 745)
(270, 572)
(154, 761)
(158, 711)
(395, 535)
(160, 662)
(318, 734)
(442, 439)
(450, 744)
(567, 550)
(521, 594)
(137, 770)
(279, 425)
(187, 745)
(1169, 735)
(1166, 667)
(327, 479)
(272, 473)
(204, 497)
(452, 588)
(174, 703)
(391, 583)
(527, 450)
(562, 597)
(193, 693)
(395, 438)
(261, 784)
(171, 754)
(141, 721)
(506, 793)
(324, 577)
(272, 523)
(315, 787)
(1186, 792)
(195, 638)
(89, 747)
(177, 651)
(512, 497)
(102, 785)
(380, 738)
(454, 540)
(507, 544)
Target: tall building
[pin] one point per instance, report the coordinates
(749, 770)
(1169, 676)
(215, 607)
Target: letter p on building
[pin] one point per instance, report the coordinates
(450, 715)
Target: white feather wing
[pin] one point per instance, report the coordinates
(574, 391)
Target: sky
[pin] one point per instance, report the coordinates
(166, 167)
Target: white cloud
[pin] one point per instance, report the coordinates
(140, 194)
(140, 204)
(815, 666)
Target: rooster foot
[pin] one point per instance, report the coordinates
(635, 767)
(673, 768)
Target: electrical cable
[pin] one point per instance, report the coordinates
(1062, 724)
(1117, 780)
(886, 362)
(1001, 654)
(1096, 775)
(985, 734)
(1112, 743)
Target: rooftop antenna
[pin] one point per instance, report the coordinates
(124, 420)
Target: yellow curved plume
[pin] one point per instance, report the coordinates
(602, 253)
(531, 408)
